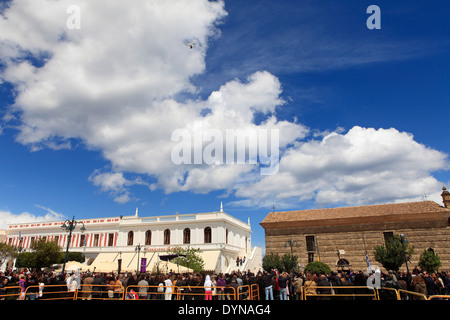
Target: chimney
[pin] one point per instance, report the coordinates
(445, 197)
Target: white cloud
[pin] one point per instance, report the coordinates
(7, 217)
(114, 84)
(116, 184)
(362, 166)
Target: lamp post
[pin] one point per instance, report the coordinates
(291, 243)
(69, 226)
(402, 239)
(138, 250)
(20, 250)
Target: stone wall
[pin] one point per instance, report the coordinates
(420, 234)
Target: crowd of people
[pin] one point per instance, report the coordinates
(99, 285)
(350, 285)
(272, 285)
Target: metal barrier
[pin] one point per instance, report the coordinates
(53, 294)
(338, 289)
(439, 296)
(11, 292)
(229, 293)
(96, 292)
(158, 294)
(254, 289)
(411, 294)
(244, 293)
(385, 296)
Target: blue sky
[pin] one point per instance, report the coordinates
(86, 113)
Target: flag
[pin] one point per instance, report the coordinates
(368, 263)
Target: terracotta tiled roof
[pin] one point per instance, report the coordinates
(355, 212)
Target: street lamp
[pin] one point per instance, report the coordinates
(138, 250)
(69, 226)
(20, 249)
(291, 243)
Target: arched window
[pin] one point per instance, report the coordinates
(130, 238)
(207, 235)
(187, 236)
(167, 236)
(148, 237)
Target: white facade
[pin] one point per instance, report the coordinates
(221, 237)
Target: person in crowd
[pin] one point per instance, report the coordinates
(282, 282)
(430, 284)
(310, 286)
(221, 284)
(418, 283)
(208, 287)
(323, 287)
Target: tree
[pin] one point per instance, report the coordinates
(74, 256)
(271, 261)
(283, 263)
(317, 267)
(287, 264)
(392, 255)
(430, 261)
(193, 258)
(6, 251)
(43, 254)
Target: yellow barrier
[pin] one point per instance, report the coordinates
(10, 294)
(243, 293)
(395, 292)
(413, 294)
(337, 295)
(55, 294)
(439, 296)
(95, 292)
(254, 289)
(228, 294)
(131, 294)
(246, 292)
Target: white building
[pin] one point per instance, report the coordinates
(108, 242)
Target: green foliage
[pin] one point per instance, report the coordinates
(392, 256)
(193, 259)
(73, 256)
(43, 254)
(271, 261)
(317, 267)
(430, 261)
(283, 263)
(6, 251)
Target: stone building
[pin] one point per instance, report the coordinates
(340, 237)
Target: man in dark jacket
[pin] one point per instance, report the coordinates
(325, 291)
(431, 285)
(268, 282)
(282, 282)
(99, 286)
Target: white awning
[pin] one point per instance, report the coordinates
(108, 262)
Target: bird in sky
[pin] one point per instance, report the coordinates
(191, 44)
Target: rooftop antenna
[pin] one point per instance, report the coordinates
(273, 208)
(425, 196)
